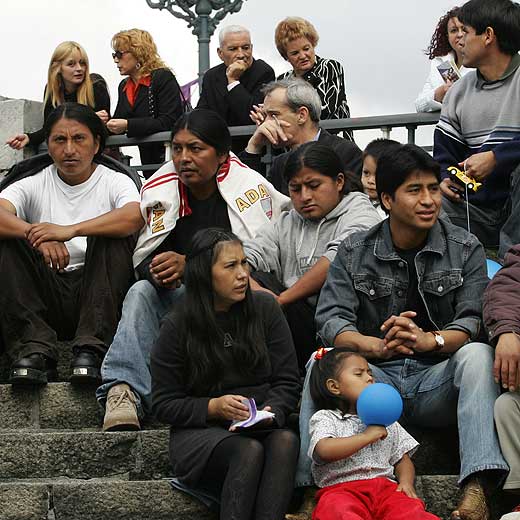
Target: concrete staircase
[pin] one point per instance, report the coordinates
(56, 464)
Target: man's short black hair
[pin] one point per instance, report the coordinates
(503, 16)
(397, 163)
(82, 114)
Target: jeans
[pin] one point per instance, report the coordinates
(128, 358)
(458, 391)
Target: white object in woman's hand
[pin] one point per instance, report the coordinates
(18, 141)
(228, 407)
(118, 126)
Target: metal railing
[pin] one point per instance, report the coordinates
(384, 123)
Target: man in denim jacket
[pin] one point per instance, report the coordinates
(407, 295)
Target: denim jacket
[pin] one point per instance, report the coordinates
(367, 282)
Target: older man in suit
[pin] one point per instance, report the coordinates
(234, 86)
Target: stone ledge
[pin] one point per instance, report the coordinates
(17, 116)
(113, 499)
(138, 455)
(62, 406)
(98, 500)
(58, 406)
(153, 500)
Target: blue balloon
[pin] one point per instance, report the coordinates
(379, 404)
(492, 268)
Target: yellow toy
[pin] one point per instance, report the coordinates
(470, 182)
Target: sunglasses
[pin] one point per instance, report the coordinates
(119, 54)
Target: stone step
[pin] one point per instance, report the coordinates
(53, 406)
(56, 405)
(100, 499)
(83, 454)
(139, 455)
(62, 406)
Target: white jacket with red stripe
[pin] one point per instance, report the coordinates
(252, 201)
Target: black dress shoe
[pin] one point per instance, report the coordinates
(34, 369)
(85, 367)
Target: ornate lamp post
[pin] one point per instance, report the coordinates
(199, 18)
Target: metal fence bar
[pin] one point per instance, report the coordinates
(384, 123)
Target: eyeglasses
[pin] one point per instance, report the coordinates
(118, 54)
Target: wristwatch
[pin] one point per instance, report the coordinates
(439, 340)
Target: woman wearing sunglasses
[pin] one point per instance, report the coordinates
(68, 80)
(149, 98)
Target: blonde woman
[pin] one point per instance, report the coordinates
(149, 98)
(68, 79)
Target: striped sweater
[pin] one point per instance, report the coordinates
(479, 116)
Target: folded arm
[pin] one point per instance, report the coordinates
(118, 223)
(11, 226)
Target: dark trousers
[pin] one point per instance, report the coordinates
(39, 306)
(494, 227)
(299, 315)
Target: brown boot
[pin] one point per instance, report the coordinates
(473, 504)
(121, 409)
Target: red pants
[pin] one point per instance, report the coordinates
(373, 499)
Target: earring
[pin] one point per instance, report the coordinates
(137, 65)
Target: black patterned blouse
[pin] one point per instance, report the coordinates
(328, 78)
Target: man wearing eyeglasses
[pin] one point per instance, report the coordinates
(234, 86)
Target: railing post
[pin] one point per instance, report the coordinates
(168, 151)
(267, 159)
(411, 133)
(385, 130)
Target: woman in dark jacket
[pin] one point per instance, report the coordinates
(223, 345)
(296, 39)
(68, 80)
(149, 99)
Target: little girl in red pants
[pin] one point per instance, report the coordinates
(364, 472)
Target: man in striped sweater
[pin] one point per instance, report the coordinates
(479, 127)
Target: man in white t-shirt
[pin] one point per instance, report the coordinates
(66, 244)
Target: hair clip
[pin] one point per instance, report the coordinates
(320, 353)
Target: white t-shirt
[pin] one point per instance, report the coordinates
(44, 197)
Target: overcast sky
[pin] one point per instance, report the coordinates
(379, 42)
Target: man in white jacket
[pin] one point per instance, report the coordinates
(205, 185)
(291, 258)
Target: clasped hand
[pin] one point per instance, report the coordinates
(49, 240)
(167, 269)
(404, 336)
(41, 232)
(117, 126)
